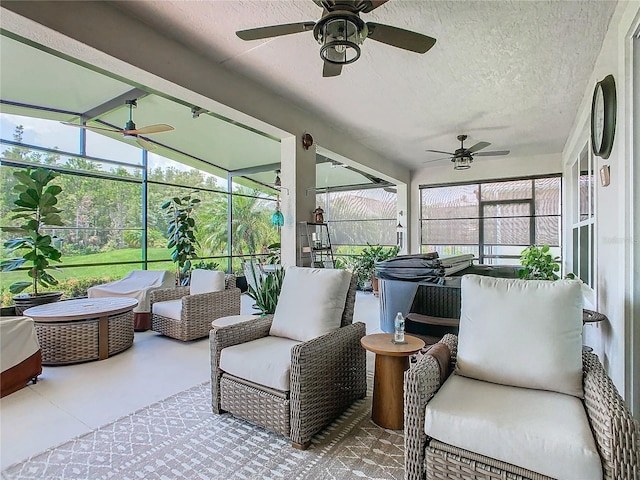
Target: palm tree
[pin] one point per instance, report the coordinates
(250, 226)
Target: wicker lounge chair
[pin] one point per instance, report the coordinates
(327, 373)
(189, 315)
(615, 434)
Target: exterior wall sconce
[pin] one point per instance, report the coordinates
(307, 141)
(400, 235)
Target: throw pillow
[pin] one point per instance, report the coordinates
(311, 302)
(524, 333)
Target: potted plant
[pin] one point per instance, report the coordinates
(538, 264)
(364, 265)
(181, 234)
(36, 207)
(267, 289)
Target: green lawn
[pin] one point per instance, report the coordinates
(67, 271)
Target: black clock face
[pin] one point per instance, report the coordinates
(603, 117)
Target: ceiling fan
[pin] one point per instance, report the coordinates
(130, 130)
(463, 157)
(340, 31)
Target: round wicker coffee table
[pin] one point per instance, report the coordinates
(82, 330)
(392, 360)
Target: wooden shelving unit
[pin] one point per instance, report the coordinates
(315, 244)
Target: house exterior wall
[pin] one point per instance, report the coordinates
(617, 206)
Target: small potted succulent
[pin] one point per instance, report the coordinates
(36, 208)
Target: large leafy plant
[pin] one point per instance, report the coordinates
(181, 234)
(364, 263)
(538, 264)
(36, 206)
(267, 289)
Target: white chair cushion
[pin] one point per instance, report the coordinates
(265, 361)
(545, 432)
(525, 333)
(232, 320)
(206, 281)
(311, 302)
(169, 309)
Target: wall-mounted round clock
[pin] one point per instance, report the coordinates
(603, 117)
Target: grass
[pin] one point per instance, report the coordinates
(67, 271)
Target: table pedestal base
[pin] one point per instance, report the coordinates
(388, 391)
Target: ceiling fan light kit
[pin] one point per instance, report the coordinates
(462, 163)
(339, 33)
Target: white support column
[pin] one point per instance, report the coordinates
(298, 175)
(403, 205)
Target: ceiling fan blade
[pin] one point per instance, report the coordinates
(371, 5)
(158, 128)
(331, 69)
(440, 151)
(491, 154)
(90, 127)
(275, 30)
(145, 143)
(478, 146)
(400, 38)
(437, 160)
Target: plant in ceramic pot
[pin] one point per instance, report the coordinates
(181, 234)
(36, 208)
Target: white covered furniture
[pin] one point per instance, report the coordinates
(186, 313)
(20, 355)
(137, 284)
(523, 401)
(293, 372)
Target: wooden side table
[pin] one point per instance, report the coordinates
(388, 385)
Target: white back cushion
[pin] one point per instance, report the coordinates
(206, 281)
(311, 302)
(525, 333)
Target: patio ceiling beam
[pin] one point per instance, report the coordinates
(257, 169)
(114, 103)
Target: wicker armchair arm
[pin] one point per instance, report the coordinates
(327, 374)
(616, 433)
(167, 294)
(229, 281)
(223, 337)
(421, 382)
(211, 305)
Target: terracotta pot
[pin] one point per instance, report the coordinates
(374, 283)
(22, 302)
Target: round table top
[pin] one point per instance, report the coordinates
(381, 343)
(81, 308)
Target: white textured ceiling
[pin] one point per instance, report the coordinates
(507, 72)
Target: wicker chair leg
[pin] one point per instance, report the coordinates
(301, 446)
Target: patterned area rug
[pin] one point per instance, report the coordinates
(179, 438)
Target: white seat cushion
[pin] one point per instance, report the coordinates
(311, 302)
(169, 309)
(266, 361)
(525, 333)
(545, 432)
(206, 281)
